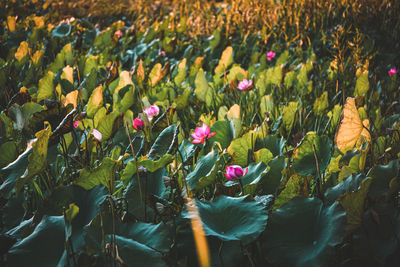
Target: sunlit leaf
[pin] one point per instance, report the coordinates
(103, 174)
(351, 127)
(46, 86)
(95, 101)
(203, 91)
(38, 159)
(22, 51)
(71, 98)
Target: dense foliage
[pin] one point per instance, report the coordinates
(125, 139)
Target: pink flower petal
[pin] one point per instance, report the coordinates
(96, 134)
(76, 124)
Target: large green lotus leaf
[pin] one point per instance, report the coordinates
(377, 240)
(304, 161)
(37, 160)
(64, 57)
(288, 116)
(150, 165)
(109, 125)
(8, 153)
(103, 39)
(165, 143)
(43, 247)
(240, 147)
(88, 203)
(139, 244)
(267, 105)
(236, 73)
(205, 169)
(180, 77)
(203, 91)
(186, 150)
(215, 38)
(353, 203)
(230, 218)
(270, 182)
(89, 83)
(321, 104)
(274, 144)
(290, 78)
(14, 170)
(223, 64)
(46, 86)
(223, 133)
(251, 179)
(381, 177)
(263, 155)
(13, 212)
(95, 102)
(62, 30)
(302, 77)
(282, 59)
(349, 184)
(254, 172)
(151, 183)
(273, 76)
(90, 63)
(362, 84)
(297, 185)
(103, 174)
(304, 232)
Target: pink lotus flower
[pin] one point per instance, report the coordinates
(96, 134)
(235, 172)
(138, 124)
(76, 124)
(162, 53)
(152, 111)
(201, 134)
(118, 33)
(244, 85)
(270, 55)
(392, 71)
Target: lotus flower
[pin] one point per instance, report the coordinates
(138, 124)
(96, 134)
(270, 55)
(76, 124)
(392, 71)
(244, 85)
(235, 172)
(152, 111)
(201, 134)
(118, 33)
(162, 53)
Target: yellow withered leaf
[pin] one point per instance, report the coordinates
(71, 98)
(68, 74)
(39, 22)
(234, 112)
(22, 50)
(11, 21)
(140, 72)
(351, 127)
(36, 57)
(97, 96)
